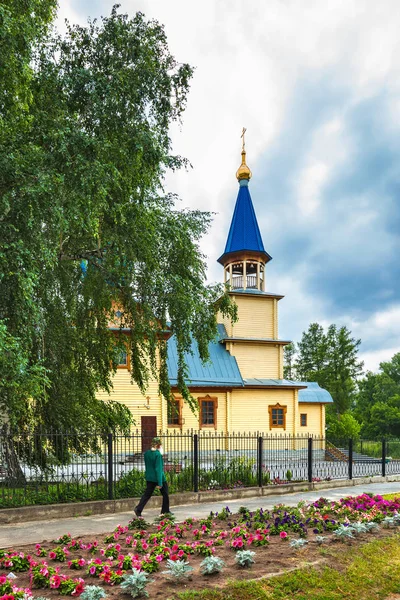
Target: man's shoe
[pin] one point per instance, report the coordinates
(138, 514)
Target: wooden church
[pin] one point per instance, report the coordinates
(242, 388)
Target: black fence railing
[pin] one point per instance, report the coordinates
(53, 467)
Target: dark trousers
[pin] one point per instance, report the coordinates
(150, 487)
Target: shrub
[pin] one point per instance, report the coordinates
(211, 565)
(135, 584)
(289, 475)
(93, 592)
(178, 569)
(244, 558)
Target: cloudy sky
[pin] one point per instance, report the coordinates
(317, 85)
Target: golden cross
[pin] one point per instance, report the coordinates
(242, 136)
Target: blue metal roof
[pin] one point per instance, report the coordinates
(221, 371)
(244, 233)
(313, 393)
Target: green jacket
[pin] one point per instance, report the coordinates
(154, 467)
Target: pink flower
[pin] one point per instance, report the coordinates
(52, 555)
(175, 548)
(3, 579)
(55, 581)
(117, 547)
(78, 590)
(92, 570)
(283, 535)
(81, 562)
(181, 553)
(159, 558)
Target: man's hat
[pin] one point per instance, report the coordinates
(156, 441)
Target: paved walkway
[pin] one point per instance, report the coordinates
(38, 531)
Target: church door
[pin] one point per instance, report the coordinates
(149, 430)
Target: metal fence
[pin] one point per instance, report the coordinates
(52, 467)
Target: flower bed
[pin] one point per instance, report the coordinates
(281, 538)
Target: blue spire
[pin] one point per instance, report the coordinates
(244, 233)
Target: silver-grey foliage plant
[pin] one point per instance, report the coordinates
(178, 569)
(211, 564)
(135, 584)
(244, 558)
(297, 544)
(93, 592)
(343, 532)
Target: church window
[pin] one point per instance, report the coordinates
(303, 420)
(277, 416)
(123, 360)
(174, 413)
(208, 412)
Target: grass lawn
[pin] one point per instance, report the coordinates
(369, 572)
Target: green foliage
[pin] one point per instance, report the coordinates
(330, 359)
(378, 401)
(211, 565)
(93, 592)
(342, 427)
(178, 569)
(289, 475)
(135, 584)
(85, 225)
(289, 353)
(245, 558)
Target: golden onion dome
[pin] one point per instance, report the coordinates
(243, 171)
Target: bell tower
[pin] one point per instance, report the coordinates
(244, 258)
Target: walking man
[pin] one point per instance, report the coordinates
(155, 477)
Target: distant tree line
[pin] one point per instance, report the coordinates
(364, 404)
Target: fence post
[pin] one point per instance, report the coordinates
(383, 457)
(259, 461)
(350, 459)
(110, 466)
(310, 459)
(195, 463)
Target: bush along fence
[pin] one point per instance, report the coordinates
(58, 467)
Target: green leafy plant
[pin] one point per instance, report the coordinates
(224, 514)
(244, 558)
(289, 475)
(138, 523)
(93, 592)
(135, 584)
(178, 569)
(211, 565)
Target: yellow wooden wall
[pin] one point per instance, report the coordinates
(313, 412)
(257, 318)
(129, 394)
(250, 410)
(257, 360)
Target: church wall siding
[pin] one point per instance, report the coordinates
(250, 410)
(313, 412)
(257, 360)
(256, 317)
(128, 393)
